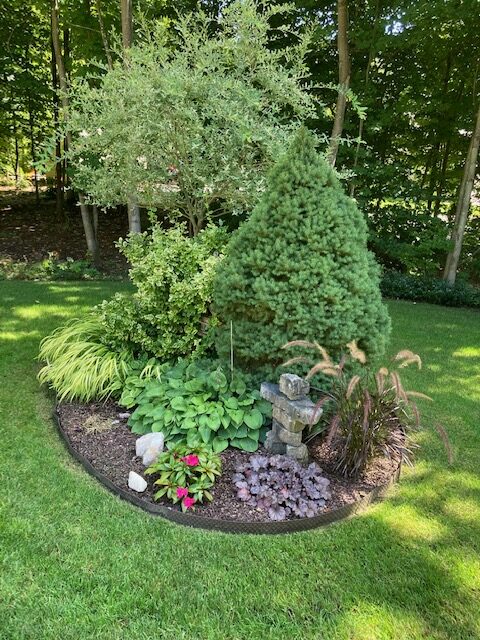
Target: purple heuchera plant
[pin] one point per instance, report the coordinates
(280, 486)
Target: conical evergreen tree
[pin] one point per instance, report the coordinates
(299, 268)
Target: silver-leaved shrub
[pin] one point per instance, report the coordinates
(195, 119)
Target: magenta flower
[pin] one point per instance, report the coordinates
(188, 502)
(191, 460)
(182, 492)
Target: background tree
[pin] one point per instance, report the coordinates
(190, 124)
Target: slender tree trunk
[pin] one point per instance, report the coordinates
(32, 150)
(92, 243)
(58, 150)
(443, 175)
(17, 150)
(103, 33)
(343, 79)
(463, 204)
(134, 223)
(127, 24)
(371, 53)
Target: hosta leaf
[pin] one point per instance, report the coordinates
(214, 422)
(219, 444)
(253, 419)
(205, 432)
(236, 415)
(246, 444)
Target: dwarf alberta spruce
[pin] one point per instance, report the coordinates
(186, 474)
(194, 403)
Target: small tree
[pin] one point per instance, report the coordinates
(299, 268)
(191, 124)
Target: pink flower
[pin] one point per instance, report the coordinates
(191, 460)
(182, 492)
(188, 502)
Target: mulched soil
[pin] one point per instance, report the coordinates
(112, 452)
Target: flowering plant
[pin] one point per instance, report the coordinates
(185, 474)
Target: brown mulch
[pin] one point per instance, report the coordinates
(112, 452)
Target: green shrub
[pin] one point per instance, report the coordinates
(186, 473)
(193, 403)
(401, 285)
(299, 267)
(79, 366)
(168, 315)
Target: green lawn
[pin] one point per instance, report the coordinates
(78, 563)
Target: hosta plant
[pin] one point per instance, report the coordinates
(369, 413)
(195, 401)
(185, 474)
(281, 487)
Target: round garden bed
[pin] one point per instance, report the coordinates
(109, 455)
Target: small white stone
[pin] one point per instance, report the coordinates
(125, 415)
(136, 482)
(149, 440)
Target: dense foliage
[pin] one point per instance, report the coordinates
(185, 474)
(168, 314)
(50, 268)
(193, 120)
(193, 403)
(79, 366)
(280, 486)
(395, 284)
(299, 267)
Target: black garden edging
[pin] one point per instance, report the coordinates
(229, 526)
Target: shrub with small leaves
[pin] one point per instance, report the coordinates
(186, 474)
(281, 487)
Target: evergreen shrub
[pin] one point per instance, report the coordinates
(299, 268)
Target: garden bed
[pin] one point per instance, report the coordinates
(110, 455)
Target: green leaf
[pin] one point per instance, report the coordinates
(219, 444)
(254, 419)
(246, 444)
(236, 415)
(206, 433)
(214, 422)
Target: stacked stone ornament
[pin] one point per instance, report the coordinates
(292, 411)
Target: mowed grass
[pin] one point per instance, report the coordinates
(78, 563)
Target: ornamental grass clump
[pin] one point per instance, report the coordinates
(281, 487)
(78, 366)
(370, 413)
(299, 266)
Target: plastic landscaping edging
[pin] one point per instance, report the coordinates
(229, 526)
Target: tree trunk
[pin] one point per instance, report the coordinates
(127, 24)
(103, 33)
(371, 53)
(443, 175)
(343, 80)
(58, 150)
(92, 244)
(17, 150)
(463, 204)
(32, 150)
(134, 224)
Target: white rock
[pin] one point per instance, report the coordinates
(136, 482)
(125, 415)
(150, 456)
(147, 441)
